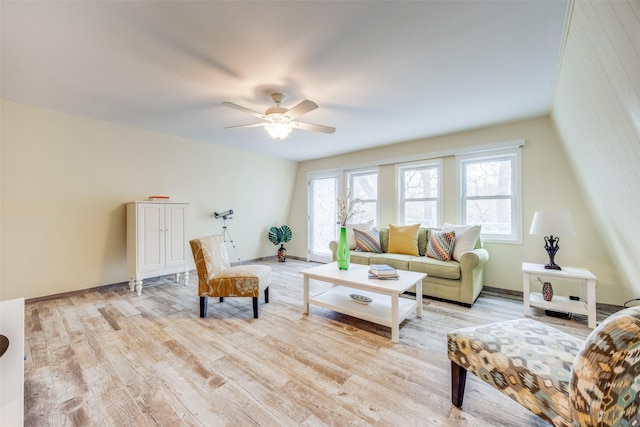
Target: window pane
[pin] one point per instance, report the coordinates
(420, 183)
(425, 213)
(493, 214)
(488, 178)
(365, 187)
(368, 213)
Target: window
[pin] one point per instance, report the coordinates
(364, 186)
(419, 194)
(490, 194)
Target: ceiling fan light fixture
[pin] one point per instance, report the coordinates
(278, 131)
(279, 121)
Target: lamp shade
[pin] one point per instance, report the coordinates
(552, 224)
(278, 130)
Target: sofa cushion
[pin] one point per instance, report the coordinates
(403, 239)
(441, 245)
(351, 237)
(397, 261)
(466, 238)
(364, 258)
(367, 240)
(436, 268)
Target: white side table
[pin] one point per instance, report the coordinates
(587, 280)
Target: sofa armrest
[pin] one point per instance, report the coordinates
(475, 258)
(333, 245)
(472, 274)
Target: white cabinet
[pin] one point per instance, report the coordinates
(156, 241)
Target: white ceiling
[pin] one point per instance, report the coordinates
(381, 71)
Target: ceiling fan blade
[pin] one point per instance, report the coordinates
(244, 109)
(300, 109)
(311, 126)
(252, 125)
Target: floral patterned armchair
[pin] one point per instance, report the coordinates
(558, 377)
(216, 277)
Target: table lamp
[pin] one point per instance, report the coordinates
(551, 225)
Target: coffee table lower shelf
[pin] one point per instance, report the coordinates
(378, 311)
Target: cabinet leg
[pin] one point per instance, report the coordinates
(131, 285)
(139, 287)
(185, 278)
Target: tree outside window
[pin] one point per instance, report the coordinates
(489, 195)
(420, 194)
(364, 186)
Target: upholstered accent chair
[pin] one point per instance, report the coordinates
(217, 278)
(560, 378)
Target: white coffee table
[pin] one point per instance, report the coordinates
(387, 308)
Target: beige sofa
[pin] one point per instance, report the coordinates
(460, 282)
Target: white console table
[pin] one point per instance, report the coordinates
(587, 280)
(12, 363)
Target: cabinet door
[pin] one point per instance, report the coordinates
(151, 237)
(176, 234)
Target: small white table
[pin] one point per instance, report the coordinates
(387, 308)
(587, 280)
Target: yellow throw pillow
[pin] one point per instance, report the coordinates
(403, 239)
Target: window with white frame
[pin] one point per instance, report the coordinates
(420, 189)
(364, 186)
(490, 194)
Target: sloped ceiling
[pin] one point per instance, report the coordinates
(597, 113)
(381, 71)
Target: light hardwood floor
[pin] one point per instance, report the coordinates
(108, 357)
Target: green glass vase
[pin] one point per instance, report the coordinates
(343, 255)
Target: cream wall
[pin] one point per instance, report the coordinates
(66, 179)
(597, 112)
(548, 184)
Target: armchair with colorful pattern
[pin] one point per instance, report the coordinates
(560, 378)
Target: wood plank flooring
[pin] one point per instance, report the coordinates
(108, 357)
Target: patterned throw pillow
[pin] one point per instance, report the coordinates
(351, 237)
(367, 240)
(441, 245)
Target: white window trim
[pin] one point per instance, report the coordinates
(516, 153)
(364, 171)
(438, 163)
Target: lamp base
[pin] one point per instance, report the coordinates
(552, 266)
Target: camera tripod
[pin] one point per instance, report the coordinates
(225, 235)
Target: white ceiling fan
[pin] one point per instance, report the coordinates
(279, 121)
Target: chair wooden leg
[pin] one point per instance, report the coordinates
(255, 307)
(221, 299)
(266, 295)
(203, 306)
(458, 380)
